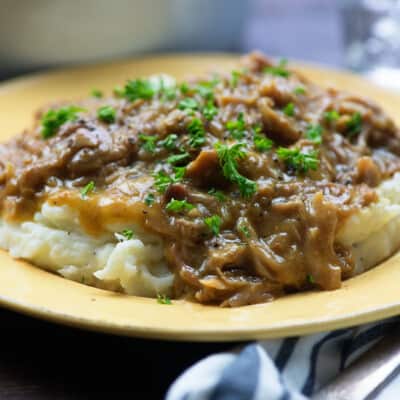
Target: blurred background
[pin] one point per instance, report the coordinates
(363, 35)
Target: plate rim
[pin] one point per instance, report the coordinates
(206, 335)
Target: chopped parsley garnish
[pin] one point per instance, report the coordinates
(228, 157)
(149, 142)
(179, 206)
(138, 89)
(162, 180)
(288, 110)
(177, 158)
(179, 173)
(96, 93)
(119, 91)
(149, 199)
(314, 133)
(262, 143)
(331, 116)
(237, 128)
(163, 299)
(53, 119)
(184, 88)
(126, 234)
(87, 189)
(298, 160)
(214, 224)
(245, 230)
(300, 90)
(354, 124)
(165, 88)
(310, 278)
(168, 93)
(188, 104)
(210, 111)
(235, 78)
(278, 70)
(206, 89)
(217, 194)
(106, 113)
(257, 128)
(197, 133)
(169, 142)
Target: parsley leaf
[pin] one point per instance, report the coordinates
(162, 180)
(262, 143)
(164, 86)
(206, 89)
(177, 158)
(228, 157)
(354, 124)
(289, 110)
(126, 234)
(119, 91)
(188, 104)
(169, 142)
(106, 114)
(163, 299)
(96, 93)
(235, 78)
(179, 205)
(217, 194)
(149, 199)
(168, 93)
(245, 230)
(314, 133)
(87, 189)
(214, 223)
(331, 116)
(138, 89)
(53, 119)
(210, 111)
(310, 278)
(149, 142)
(257, 128)
(197, 133)
(300, 90)
(184, 88)
(237, 128)
(179, 173)
(278, 70)
(299, 161)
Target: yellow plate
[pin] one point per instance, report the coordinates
(371, 296)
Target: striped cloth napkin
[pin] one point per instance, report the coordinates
(284, 369)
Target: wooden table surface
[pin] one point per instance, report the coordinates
(43, 361)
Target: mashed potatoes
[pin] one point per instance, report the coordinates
(372, 233)
(54, 241)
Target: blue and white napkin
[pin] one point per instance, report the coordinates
(285, 369)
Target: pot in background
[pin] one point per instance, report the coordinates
(41, 33)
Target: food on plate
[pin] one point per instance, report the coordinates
(230, 188)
